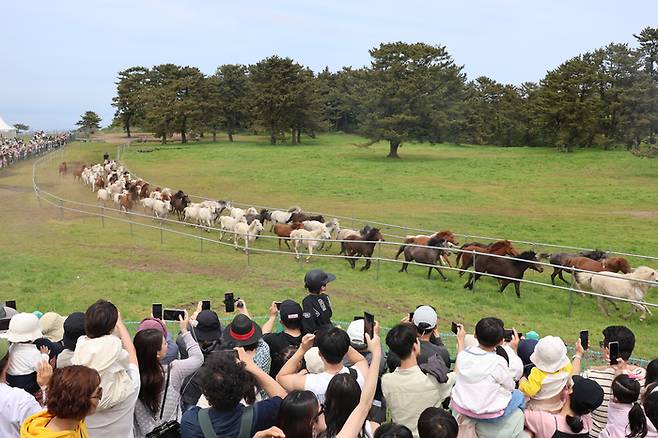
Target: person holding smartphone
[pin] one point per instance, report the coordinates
(290, 316)
(604, 375)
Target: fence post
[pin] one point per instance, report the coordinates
(161, 238)
(473, 284)
(103, 216)
(571, 286)
(131, 226)
(248, 257)
(379, 258)
(201, 240)
(61, 210)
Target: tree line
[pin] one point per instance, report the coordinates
(410, 92)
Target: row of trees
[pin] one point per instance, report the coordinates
(410, 92)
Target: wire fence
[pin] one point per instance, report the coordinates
(171, 226)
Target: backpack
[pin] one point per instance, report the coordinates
(245, 423)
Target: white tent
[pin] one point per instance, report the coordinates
(6, 131)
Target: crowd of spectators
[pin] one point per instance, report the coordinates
(15, 149)
(302, 376)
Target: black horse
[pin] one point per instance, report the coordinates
(505, 268)
(426, 254)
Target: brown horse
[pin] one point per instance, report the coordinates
(100, 182)
(359, 248)
(145, 191)
(499, 247)
(284, 230)
(560, 258)
(178, 203)
(77, 174)
(427, 255)
(62, 169)
(128, 201)
(615, 264)
(505, 268)
(422, 239)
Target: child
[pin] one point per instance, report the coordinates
(625, 415)
(316, 307)
(25, 356)
(484, 387)
(548, 378)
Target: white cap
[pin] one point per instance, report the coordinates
(425, 315)
(355, 332)
(23, 327)
(550, 354)
(314, 363)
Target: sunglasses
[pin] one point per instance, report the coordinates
(98, 393)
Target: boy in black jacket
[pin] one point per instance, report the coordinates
(316, 307)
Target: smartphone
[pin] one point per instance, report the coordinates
(4, 324)
(613, 348)
(11, 303)
(411, 317)
(356, 318)
(229, 302)
(454, 327)
(172, 314)
(156, 310)
(205, 305)
(584, 339)
(278, 305)
(508, 335)
(368, 325)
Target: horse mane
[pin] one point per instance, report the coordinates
(436, 241)
(530, 256)
(500, 244)
(641, 273)
(372, 233)
(445, 234)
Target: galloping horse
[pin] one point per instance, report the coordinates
(427, 255)
(178, 203)
(62, 169)
(421, 239)
(499, 247)
(560, 258)
(505, 268)
(357, 249)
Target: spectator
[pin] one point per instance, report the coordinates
(74, 394)
(74, 328)
(333, 344)
(525, 350)
(605, 374)
(222, 382)
(437, 423)
(392, 430)
(651, 405)
(6, 313)
(52, 326)
(425, 320)
(484, 387)
(408, 390)
(550, 375)
(207, 332)
(25, 356)
(652, 373)
(115, 360)
(159, 393)
(355, 331)
(245, 333)
(172, 347)
(291, 336)
(574, 419)
(300, 415)
(625, 415)
(15, 404)
(316, 305)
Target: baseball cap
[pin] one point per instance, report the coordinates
(208, 327)
(355, 332)
(74, 327)
(425, 318)
(316, 278)
(290, 311)
(586, 395)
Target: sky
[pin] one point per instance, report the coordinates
(61, 57)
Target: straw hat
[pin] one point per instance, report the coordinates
(23, 327)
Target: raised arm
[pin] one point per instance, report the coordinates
(577, 359)
(126, 341)
(268, 327)
(271, 386)
(289, 377)
(359, 415)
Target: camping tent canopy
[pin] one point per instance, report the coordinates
(6, 131)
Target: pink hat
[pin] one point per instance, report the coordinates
(152, 323)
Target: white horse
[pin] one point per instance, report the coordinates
(227, 225)
(309, 239)
(248, 233)
(279, 217)
(620, 286)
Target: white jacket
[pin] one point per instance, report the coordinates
(484, 384)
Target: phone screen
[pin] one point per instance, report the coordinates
(508, 335)
(172, 314)
(4, 324)
(411, 317)
(584, 339)
(205, 305)
(229, 302)
(454, 327)
(368, 325)
(156, 310)
(278, 305)
(11, 303)
(613, 348)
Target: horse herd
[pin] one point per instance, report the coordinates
(302, 230)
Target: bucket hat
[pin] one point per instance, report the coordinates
(52, 326)
(208, 327)
(23, 327)
(550, 354)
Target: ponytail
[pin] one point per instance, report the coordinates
(575, 423)
(637, 422)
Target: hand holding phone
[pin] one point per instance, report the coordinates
(173, 314)
(368, 326)
(508, 335)
(205, 305)
(11, 303)
(156, 310)
(229, 302)
(584, 339)
(278, 305)
(411, 317)
(454, 327)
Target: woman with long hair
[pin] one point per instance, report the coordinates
(574, 419)
(159, 393)
(626, 418)
(300, 415)
(74, 393)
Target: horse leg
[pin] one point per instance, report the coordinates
(440, 272)
(310, 251)
(235, 240)
(561, 277)
(517, 288)
(469, 282)
(429, 273)
(613, 303)
(367, 265)
(404, 267)
(601, 303)
(556, 271)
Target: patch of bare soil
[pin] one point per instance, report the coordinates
(638, 213)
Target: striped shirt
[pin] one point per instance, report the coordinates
(604, 377)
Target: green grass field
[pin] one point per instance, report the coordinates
(588, 198)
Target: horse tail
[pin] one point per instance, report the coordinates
(400, 250)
